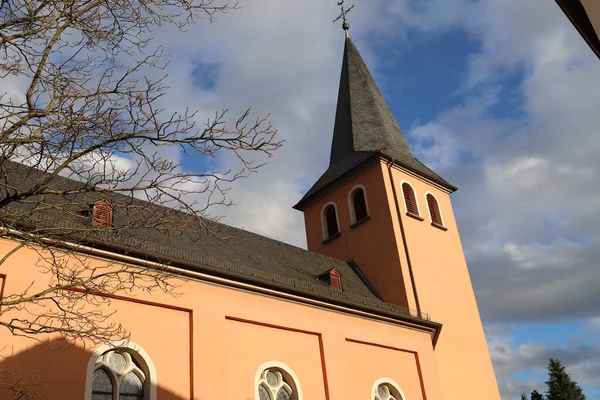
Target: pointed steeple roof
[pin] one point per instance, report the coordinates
(364, 131)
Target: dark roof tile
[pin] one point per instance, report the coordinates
(232, 253)
(364, 130)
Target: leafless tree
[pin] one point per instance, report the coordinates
(78, 106)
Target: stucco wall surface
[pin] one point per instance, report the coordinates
(209, 342)
(440, 277)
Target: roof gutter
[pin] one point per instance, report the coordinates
(355, 171)
(245, 283)
(578, 16)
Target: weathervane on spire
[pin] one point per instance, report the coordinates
(342, 16)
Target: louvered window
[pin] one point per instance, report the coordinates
(409, 199)
(359, 205)
(331, 221)
(434, 210)
(102, 213)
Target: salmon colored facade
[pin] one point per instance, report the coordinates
(440, 283)
(210, 343)
(391, 315)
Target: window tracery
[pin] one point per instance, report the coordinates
(117, 376)
(272, 385)
(386, 391)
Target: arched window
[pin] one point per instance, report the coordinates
(277, 382)
(330, 222)
(357, 202)
(385, 389)
(118, 377)
(120, 374)
(434, 210)
(409, 199)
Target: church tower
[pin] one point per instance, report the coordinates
(389, 215)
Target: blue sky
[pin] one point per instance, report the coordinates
(497, 96)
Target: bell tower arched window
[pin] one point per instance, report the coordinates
(410, 200)
(330, 221)
(434, 210)
(357, 202)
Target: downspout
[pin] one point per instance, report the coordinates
(410, 270)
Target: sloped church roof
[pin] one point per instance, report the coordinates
(364, 130)
(207, 247)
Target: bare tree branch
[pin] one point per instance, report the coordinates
(91, 123)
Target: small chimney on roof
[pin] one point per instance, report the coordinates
(102, 214)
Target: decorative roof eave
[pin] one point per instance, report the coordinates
(311, 198)
(103, 247)
(303, 291)
(345, 177)
(430, 177)
(332, 298)
(578, 16)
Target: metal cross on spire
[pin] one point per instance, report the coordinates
(342, 16)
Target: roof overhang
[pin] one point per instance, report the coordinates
(584, 15)
(334, 299)
(360, 168)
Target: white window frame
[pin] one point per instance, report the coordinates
(137, 352)
(351, 203)
(285, 370)
(324, 220)
(438, 206)
(414, 193)
(386, 381)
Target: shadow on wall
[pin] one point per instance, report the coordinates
(49, 371)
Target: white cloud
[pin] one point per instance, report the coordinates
(527, 207)
(556, 254)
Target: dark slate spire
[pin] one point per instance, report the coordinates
(364, 131)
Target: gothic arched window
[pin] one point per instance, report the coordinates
(118, 376)
(330, 222)
(276, 383)
(434, 210)
(358, 204)
(410, 199)
(387, 391)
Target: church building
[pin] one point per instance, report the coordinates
(380, 306)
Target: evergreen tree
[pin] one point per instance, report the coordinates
(535, 395)
(560, 385)
(523, 396)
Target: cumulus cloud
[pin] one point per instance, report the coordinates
(528, 199)
(527, 207)
(530, 359)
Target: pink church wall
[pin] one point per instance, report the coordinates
(440, 272)
(368, 244)
(445, 291)
(213, 338)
